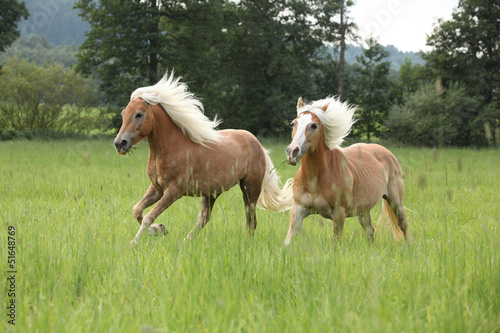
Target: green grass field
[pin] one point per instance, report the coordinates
(71, 204)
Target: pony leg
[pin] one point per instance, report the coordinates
(250, 196)
(338, 222)
(366, 222)
(297, 215)
(399, 211)
(207, 203)
(169, 196)
(151, 196)
(394, 198)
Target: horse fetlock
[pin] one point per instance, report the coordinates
(147, 222)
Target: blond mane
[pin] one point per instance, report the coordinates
(185, 110)
(337, 119)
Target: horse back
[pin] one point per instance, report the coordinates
(372, 167)
(370, 155)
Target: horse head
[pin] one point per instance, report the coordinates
(307, 133)
(137, 123)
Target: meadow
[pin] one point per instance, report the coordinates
(71, 205)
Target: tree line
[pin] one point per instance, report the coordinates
(249, 61)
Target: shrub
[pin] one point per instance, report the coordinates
(436, 118)
(36, 97)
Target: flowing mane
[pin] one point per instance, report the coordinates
(337, 119)
(185, 110)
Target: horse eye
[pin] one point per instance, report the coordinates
(138, 115)
(314, 126)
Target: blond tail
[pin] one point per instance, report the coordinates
(272, 196)
(387, 216)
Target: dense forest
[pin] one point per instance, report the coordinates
(250, 60)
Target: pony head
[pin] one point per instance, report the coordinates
(182, 107)
(137, 123)
(327, 120)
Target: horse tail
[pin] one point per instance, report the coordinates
(272, 196)
(388, 215)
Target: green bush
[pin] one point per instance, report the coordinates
(436, 118)
(43, 96)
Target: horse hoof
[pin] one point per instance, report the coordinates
(157, 230)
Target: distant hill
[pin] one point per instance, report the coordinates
(396, 57)
(56, 20)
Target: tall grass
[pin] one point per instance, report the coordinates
(71, 203)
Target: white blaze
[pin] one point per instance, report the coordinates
(300, 134)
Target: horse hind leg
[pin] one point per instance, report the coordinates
(251, 193)
(207, 204)
(394, 202)
(366, 223)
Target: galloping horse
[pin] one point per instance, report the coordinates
(341, 182)
(188, 156)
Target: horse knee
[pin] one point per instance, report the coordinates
(137, 211)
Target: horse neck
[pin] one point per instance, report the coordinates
(321, 161)
(165, 137)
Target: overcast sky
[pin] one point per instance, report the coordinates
(402, 23)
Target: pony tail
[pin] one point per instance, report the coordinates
(272, 196)
(387, 216)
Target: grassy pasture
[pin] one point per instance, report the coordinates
(71, 203)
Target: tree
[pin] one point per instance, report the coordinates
(372, 89)
(124, 48)
(12, 12)
(271, 46)
(336, 31)
(248, 60)
(433, 117)
(467, 48)
(36, 48)
(34, 95)
(198, 49)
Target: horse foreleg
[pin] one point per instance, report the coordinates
(338, 222)
(151, 196)
(366, 222)
(168, 197)
(297, 215)
(207, 204)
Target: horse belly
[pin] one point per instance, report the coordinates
(207, 183)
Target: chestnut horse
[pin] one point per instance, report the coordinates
(341, 182)
(188, 156)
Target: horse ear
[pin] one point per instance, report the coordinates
(300, 103)
(325, 107)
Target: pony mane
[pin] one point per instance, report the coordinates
(185, 110)
(337, 119)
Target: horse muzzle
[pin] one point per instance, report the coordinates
(293, 154)
(122, 144)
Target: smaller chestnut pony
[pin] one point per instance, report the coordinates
(188, 156)
(340, 182)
